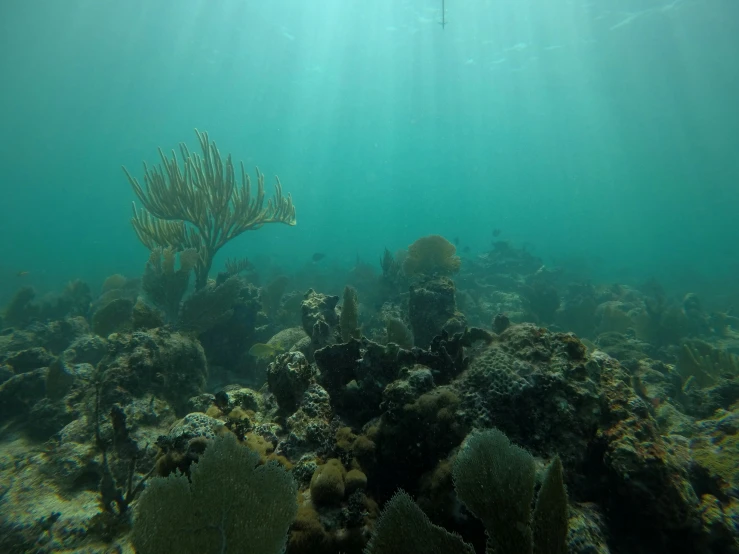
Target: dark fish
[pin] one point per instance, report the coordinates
(496, 232)
(221, 399)
(456, 241)
(318, 256)
(466, 249)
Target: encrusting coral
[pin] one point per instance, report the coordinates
(200, 205)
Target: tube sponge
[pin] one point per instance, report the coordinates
(231, 504)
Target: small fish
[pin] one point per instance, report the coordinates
(456, 241)
(221, 400)
(466, 249)
(318, 256)
(263, 351)
(690, 383)
(23, 273)
(496, 232)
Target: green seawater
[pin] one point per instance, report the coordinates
(601, 134)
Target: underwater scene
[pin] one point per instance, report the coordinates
(353, 277)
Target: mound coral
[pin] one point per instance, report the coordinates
(327, 485)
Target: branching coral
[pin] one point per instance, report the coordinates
(201, 205)
(705, 364)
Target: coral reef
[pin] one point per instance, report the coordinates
(146, 401)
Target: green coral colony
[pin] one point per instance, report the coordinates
(440, 404)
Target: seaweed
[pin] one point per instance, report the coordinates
(116, 495)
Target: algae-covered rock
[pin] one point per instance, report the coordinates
(195, 425)
(6, 372)
(320, 318)
(145, 316)
(243, 398)
(288, 377)
(433, 308)
(587, 530)
(28, 360)
(19, 393)
(62, 375)
(57, 336)
(20, 311)
(309, 428)
(87, 349)
(401, 392)
(167, 364)
(318, 307)
(113, 317)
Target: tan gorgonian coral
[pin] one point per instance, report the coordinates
(201, 205)
(431, 255)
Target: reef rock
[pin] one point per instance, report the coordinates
(319, 318)
(433, 308)
(545, 392)
(288, 377)
(166, 364)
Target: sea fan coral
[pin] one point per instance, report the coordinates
(431, 255)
